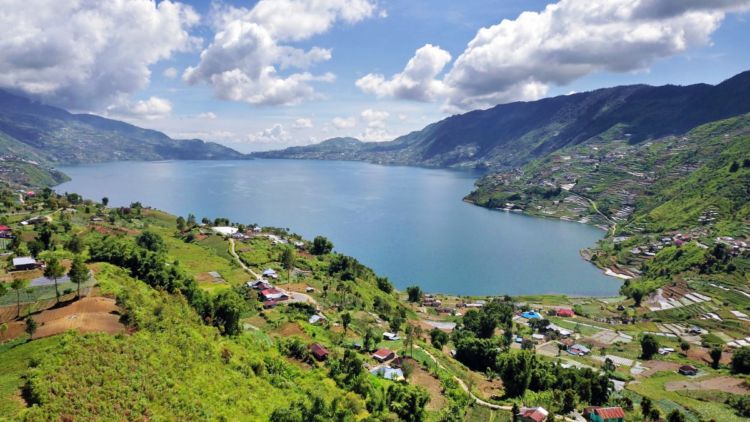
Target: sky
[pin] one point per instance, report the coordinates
(267, 74)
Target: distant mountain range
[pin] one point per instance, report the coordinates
(510, 135)
(51, 135)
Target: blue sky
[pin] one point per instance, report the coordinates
(332, 67)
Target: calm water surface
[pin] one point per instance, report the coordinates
(407, 223)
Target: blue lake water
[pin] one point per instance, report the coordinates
(407, 223)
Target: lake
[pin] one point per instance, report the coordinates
(407, 223)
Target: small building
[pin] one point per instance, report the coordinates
(310, 289)
(314, 319)
(564, 312)
(270, 304)
(383, 355)
(579, 350)
(273, 294)
(604, 414)
(259, 285)
(319, 351)
(688, 370)
(532, 414)
(665, 350)
(24, 263)
(270, 272)
(391, 336)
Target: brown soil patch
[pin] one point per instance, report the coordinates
(90, 314)
(291, 329)
(489, 388)
(423, 378)
(701, 354)
(726, 384)
(655, 366)
(113, 230)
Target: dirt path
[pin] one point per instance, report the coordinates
(239, 261)
(460, 382)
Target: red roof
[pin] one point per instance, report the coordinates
(319, 350)
(565, 312)
(382, 353)
(610, 412)
(536, 414)
(4, 228)
(271, 291)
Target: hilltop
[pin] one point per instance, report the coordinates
(513, 134)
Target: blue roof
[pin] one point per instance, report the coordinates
(531, 315)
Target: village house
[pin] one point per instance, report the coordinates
(314, 319)
(271, 273)
(532, 414)
(383, 355)
(565, 312)
(579, 350)
(259, 285)
(25, 263)
(273, 294)
(319, 351)
(391, 336)
(688, 370)
(604, 414)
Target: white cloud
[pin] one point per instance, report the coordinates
(520, 59)
(274, 134)
(344, 123)
(416, 82)
(250, 60)
(209, 115)
(88, 54)
(374, 118)
(150, 109)
(303, 123)
(375, 134)
(170, 72)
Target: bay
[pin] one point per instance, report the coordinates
(407, 223)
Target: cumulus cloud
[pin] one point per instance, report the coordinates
(209, 115)
(416, 82)
(520, 59)
(344, 122)
(88, 54)
(303, 123)
(375, 118)
(150, 109)
(250, 58)
(170, 72)
(274, 134)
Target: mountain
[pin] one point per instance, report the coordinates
(513, 134)
(46, 134)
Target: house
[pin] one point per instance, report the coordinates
(605, 414)
(391, 336)
(562, 332)
(394, 374)
(564, 312)
(273, 294)
(382, 355)
(270, 273)
(24, 263)
(665, 350)
(579, 350)
(270, 304)
(259, 285)
(319, 351)
(309, 289)
(314, 319)
(532, 414)
(257, 229)
(688, 370)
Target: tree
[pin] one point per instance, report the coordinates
(515, 371)
(151, 241)
(654, 415)
(715, 354)
(369, 340)
(79, 273)
(438, 338)
(649, 346)
(570, 400)
(3, 289)
(384, 285)
(180, 224)
(675, 416)
(288, 259)
(609, 365)
(741, 361)
(228, 306)
(415, 293)
(54, 270)
(321, 246)
(684, 346)
(733, 168)
(395, 323)
(105, 201)
(75, 244)
(637, 295)
(646, 407)
(346, 319)
(30, 327)
(3, 330)
(18, 285)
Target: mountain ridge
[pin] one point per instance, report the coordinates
(512, 134)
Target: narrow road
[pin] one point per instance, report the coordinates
(239, 261)
(460, 382)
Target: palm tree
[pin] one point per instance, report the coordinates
(54, 270)
(18, 285)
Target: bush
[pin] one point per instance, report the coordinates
(741, 361)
